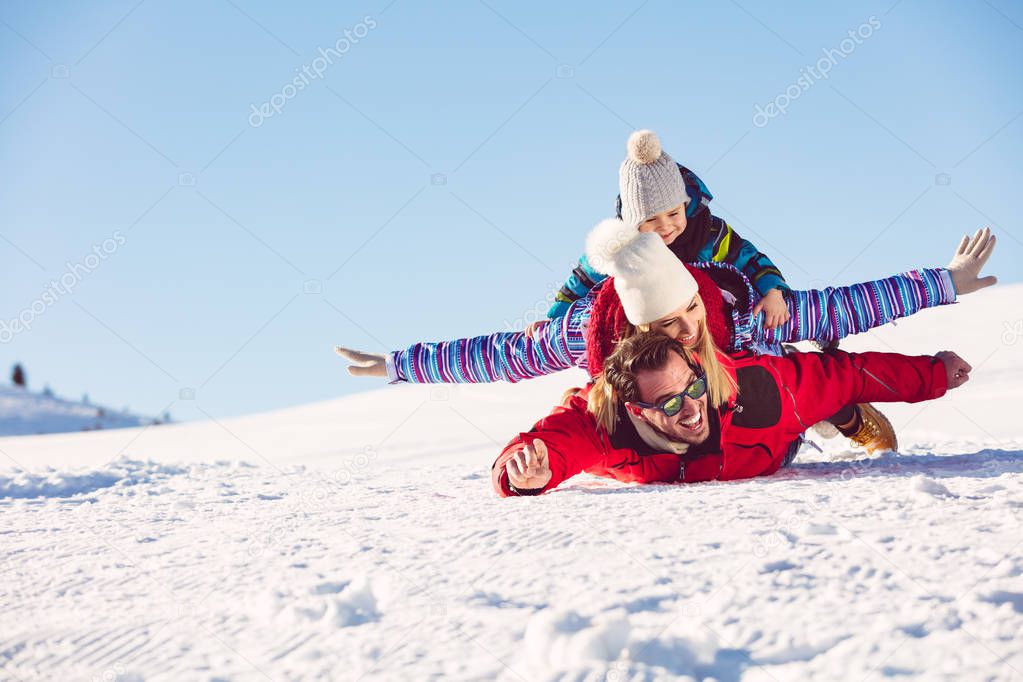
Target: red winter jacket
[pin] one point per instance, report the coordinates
(779, 398)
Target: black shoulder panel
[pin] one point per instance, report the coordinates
(759, 398)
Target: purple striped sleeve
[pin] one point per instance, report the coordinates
(836, 312)
(504, 356)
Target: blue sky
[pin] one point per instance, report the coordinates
(437, 176)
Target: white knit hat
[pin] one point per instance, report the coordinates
(650, 280)
(649, 180)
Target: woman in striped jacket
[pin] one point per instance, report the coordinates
(724, 308)
(720, 314)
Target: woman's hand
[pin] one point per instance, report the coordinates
(774, 307)
(969, 260)
(530, 468)
(363, 364)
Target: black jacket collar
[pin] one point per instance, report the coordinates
(626, 437)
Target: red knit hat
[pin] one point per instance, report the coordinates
(608, 321)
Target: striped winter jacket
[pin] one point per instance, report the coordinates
(706, 239)
(817, 314)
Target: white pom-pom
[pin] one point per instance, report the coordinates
(644, 147)
(605, 241)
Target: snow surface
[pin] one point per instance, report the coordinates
(24, 412)
(359, 539)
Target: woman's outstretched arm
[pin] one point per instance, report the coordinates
(836, 312)
(555, 345)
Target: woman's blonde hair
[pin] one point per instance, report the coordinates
(642, 350)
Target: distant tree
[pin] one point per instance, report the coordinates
(85, 398)
(47, 391)
(18, 376)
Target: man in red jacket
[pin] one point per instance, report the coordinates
(666, 426)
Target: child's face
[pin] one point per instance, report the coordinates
(668, 224)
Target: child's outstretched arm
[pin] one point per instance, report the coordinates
(836, 312)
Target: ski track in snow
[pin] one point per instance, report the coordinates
(902, 565)
(359, 539)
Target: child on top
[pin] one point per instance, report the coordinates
(659, 195)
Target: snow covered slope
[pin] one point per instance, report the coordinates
(24, 412)
(359, 539)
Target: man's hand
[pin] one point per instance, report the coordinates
(363, 364)
(774, 307)
(969, 260)
(529, 469)
(957, 370)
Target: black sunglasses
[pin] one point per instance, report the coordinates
(673, 405)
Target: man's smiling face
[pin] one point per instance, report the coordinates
(690, 425)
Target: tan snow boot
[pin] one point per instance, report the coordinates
(876, 433)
